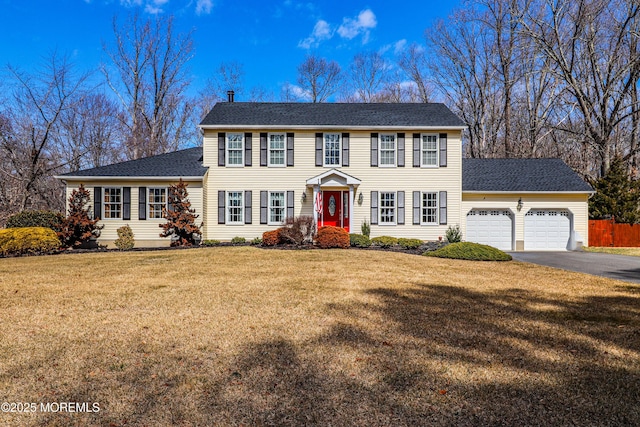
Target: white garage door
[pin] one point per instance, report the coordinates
(490, 227)
(547, 230)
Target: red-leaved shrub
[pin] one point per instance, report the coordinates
(271, 238)
(332, 237)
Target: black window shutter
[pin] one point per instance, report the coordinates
(221, 205)
(443, 150)
(142, 203)
(443, 207)
(374, 207)
(290, 204)
(97, 202)
(345, 149)
(401, 150)
(374, 149)
(416, 208)
(222, 141)
(290, 149)
(319, 149)
(263, 149)
(126, 203)
(247, 207)
(416, 150)
(400, 220)
(264, 207)
(247, 149)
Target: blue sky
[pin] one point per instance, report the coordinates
(270, 38)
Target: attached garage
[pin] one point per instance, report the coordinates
(547, 230)
(524, 204)
(492, 227)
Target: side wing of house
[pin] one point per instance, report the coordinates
(524, 204)
(135, 193)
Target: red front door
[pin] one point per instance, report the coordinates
(335, 209)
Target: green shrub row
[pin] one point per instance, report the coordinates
(470, 251)
(48, 219)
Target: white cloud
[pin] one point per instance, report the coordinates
(362, 25)
(321, 31)
(400, 46)
(203, 7)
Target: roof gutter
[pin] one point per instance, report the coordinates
(328, 127)
(126, 178)
(526, 192)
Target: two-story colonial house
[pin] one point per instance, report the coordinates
(398, 167)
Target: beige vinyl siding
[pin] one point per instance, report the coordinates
(146, 232)
(577, 204)
(408, 179)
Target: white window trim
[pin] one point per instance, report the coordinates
(324, 150)
(395, 150)
(166, 201)
(437, 207)
(269, 207)
(228, 209)
(284, 150)
(395, 208)
(226, 151)
(104, 192)
(422, 150)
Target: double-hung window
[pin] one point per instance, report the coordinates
(332, 149)
(235, 149)
(387, 150)
(277, 148)
(157, 201)
(429, 209)
(429, 150)
(112, 203)
(276, 207)
(235, 207)
(387, 208)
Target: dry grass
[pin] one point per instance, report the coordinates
(615, 251)
(243, 336)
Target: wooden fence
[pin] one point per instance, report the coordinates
(606, 232)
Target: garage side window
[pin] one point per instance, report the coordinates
(157, 201)
(112, 203)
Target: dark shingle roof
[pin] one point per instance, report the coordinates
(509, 175)
(178, 163)
(330, 114)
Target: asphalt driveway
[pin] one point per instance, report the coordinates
(619, 267)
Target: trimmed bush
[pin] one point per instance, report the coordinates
(271, 238)
(210, 243)
(365, 228)
(409, 243)
(48, 219)
(384, 241)
(332, 237)
(470, 251)
(298, 231)
(256, 242)
(453, 234)
(238, 240)
(359, 240)
(125, 240)
(28, 240)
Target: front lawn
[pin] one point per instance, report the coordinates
(615, 251)
(244, 336)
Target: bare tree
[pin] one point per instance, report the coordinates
(228, 76)
(367, 77)
(319, 78)
(89, 133)
(148, 74)
(30, 123)
(413, 61)
(588, 43)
